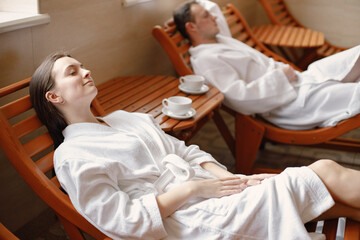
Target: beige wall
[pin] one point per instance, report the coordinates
(111, 41)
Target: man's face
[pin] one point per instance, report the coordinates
(204, 21)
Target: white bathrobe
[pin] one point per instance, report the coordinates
(253, 83)
(113, 174)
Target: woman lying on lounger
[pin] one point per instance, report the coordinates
(133, 181)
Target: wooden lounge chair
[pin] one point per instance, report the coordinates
(250, 130)
(279, 14)
(30, 150)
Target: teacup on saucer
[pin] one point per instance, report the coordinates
(192, 82)
(177, 105)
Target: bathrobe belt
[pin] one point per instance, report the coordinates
(175, 167)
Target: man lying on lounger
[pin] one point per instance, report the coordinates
(323, 95)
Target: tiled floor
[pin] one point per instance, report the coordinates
(46, 227)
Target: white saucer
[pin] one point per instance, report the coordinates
(203, 89)
(189, 114)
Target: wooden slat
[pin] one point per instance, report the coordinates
(250, 42)
(293, 37)
(38, 144)
(261, 32)
(108, 84)
(55, 181)
(155, 96)
(299, 37)
(282, 16)
(243, 36)
(26, 126)
(184, 48)
(118, 87)
(170, 29)
(287, 36)
(115, 97)
(116, 84)
(271, 36)
(134, 94)
(329, 52)
(352, 230)
(236, 29)
(17, 107)
(46, 163)
(278, 8)
(14, 87)
(306, 39)
(288, 21)
(231, 20)
(313, 38)
(284, 40)
(177, 38)
(278, 36)
(272, 2)
(322, 49)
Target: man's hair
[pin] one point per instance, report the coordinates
(182, 15)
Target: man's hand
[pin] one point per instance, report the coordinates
(289, 73)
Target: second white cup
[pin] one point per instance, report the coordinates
(178, 105)
(192, 82)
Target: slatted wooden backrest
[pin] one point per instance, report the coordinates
(29, 148)
(279, 13)
(177, 47)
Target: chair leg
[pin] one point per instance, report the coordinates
(224, 130)
(72, 231)
(249, 134)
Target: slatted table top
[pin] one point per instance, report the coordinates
(288, 36)
(145, 93)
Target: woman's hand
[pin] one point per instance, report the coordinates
(256, 179)
(218, 187)
(289, 73)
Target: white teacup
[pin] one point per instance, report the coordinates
(192, 82)
(177, 105)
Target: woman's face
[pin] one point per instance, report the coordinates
(73, 83)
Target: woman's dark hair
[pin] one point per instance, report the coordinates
(40, 83)
(182, 15)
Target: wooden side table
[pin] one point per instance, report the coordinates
(288, 36)
(145, 93)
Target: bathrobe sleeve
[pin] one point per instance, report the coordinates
(259, 95)
(94, 192)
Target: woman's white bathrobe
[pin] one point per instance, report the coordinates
(253, 83)
(113, 174)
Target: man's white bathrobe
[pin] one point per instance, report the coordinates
(113, 175)
(253, 83)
